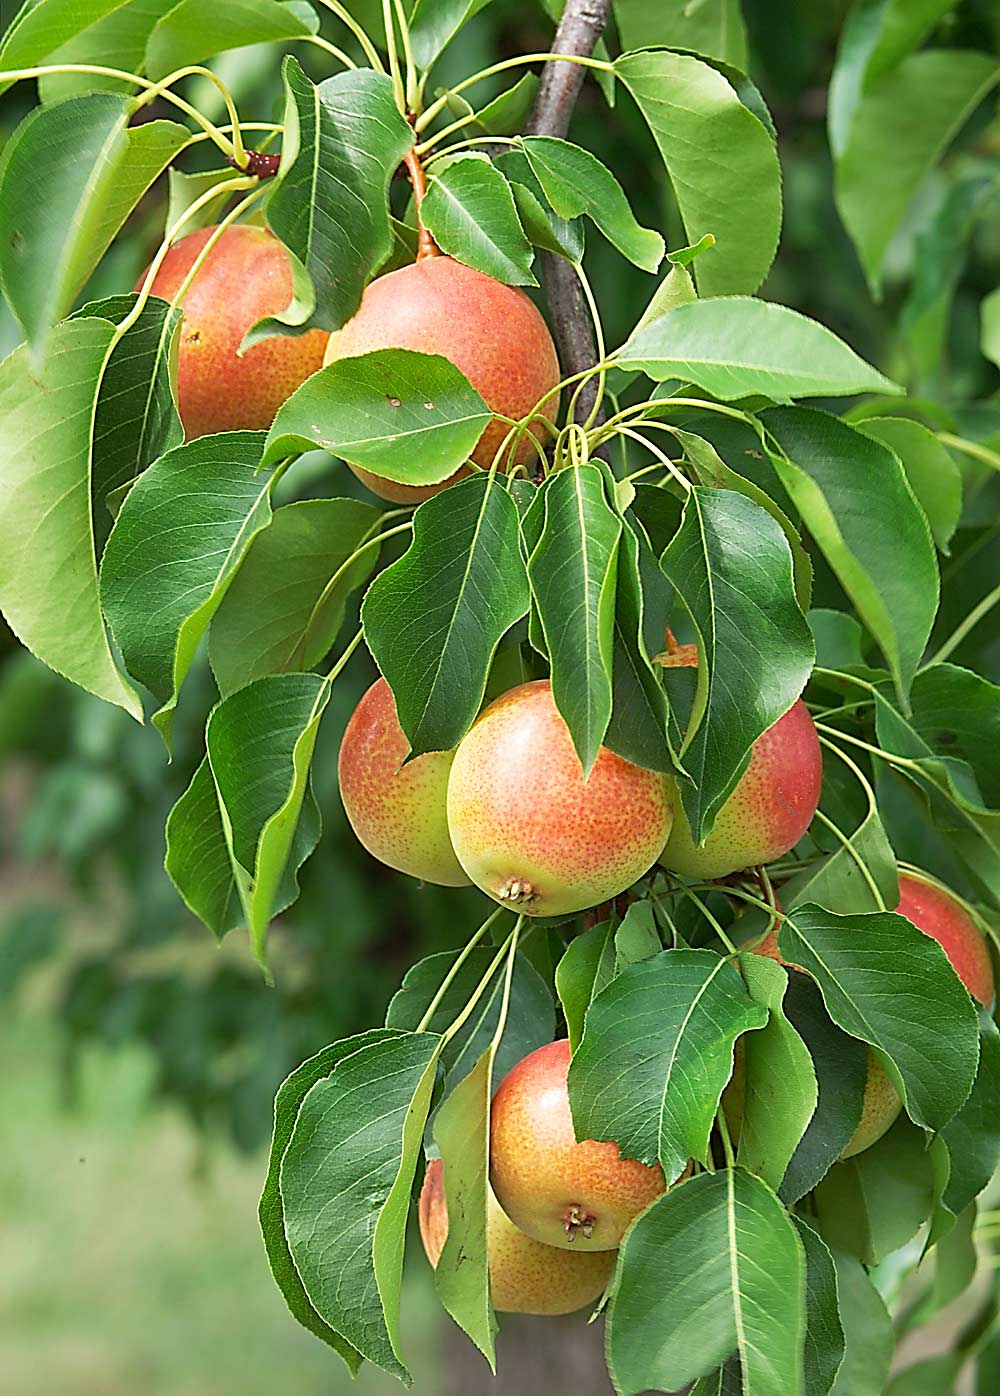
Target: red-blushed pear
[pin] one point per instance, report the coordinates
(245, 276)
(525, 1276)
(491, 332)
(396, 810)
(770, 808)
(526, 826)
(563, 1192)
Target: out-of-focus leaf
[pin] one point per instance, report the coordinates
(192, 31)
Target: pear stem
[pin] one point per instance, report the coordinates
(426, 246)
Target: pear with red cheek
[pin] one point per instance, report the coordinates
(562, 1191)
(771, 807)
(526, 1277)
(529, 830)
(397, 811)
(245, 276)
(491, 332)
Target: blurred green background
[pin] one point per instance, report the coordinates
(139, 1059)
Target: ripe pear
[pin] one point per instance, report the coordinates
(564, 1192)
(770, 808)
(397, 811)
(491, 332)
(525, 1276)
(529, 830)
(245, 277)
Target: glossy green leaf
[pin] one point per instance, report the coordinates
(972, 1136)
(731, 568)
(469, 210)
(342, 143)
(542, 225)
(897, 132)
(177, 543)
(889, 985)
(639, 716)
(45, 509)
(575, 182)
(734, 346)
(656, 1052)
(350, 1256)
(572, 570)
(721, 161)
(933, 475)
(714, 27)
(869, 1340)
(281, 612)
(192, 31)
(824, 1345)
(405, 416)
(71, 175)
(779, 1082)
(117, 40)
(260, 744)
(38, 30)
(587, 966)
(434, 619)
(637, 938)
(840, 479)
(714, 1267)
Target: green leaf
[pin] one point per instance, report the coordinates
(181, 534)
(675, 289)
(824, 1346)
(866, 968)
(933, 475)
(542, 225)
(191, 31)
(869, 1340)
(840, 480)
(184, 189)
(714, 27)
(434, 23)
(712, 1268)
(731, 567)
(45, 509)
(587, 967)
(280, 614)
(576, 182)
(721, 161)
(38, 30)
(898, 130)
(572, 570)
(118, 40)
(637, 938)
(639, 714)
(405, 416)
(260, 744)
(972, 1136)
(507, 112)
(342, 143)
(434, 619)
(656, 1052)
(840, 1063)
(530, 1018)
(989, 337)
(469, 211)
(779, 1082)
(839, 638)
(934, 1376)
(287, 1103)
(71, 175)
(734, 347)
(350, 1256)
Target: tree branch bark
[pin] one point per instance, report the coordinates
(581, 26)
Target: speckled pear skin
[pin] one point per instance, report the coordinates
(490, 331)
(879, 1108)
(580, 1196)
(396, 810)
(245, 277)
(526, 1277)
(937, 913)
(529, 830)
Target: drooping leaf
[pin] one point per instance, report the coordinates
(721, 161)
(177, 543)
(714, 1267)
(824, 1346)
(117, 40)
(280, 612)
(46, 421)
(572, 570)
(731, 567)
(587, 966)
(639, 715)
(972, 1136)
(656, 1052)
(192, 31)
(933, 475)
(889, 985)
(469, 210)
(840, 479)
(343, 140)
(542, 225)
(405, 416)
(350, 1256)
(734, 346)
(434, 619)
(869, 1340)
(38, 30)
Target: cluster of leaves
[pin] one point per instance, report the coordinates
(712, 500)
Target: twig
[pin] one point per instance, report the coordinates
(581, 26)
